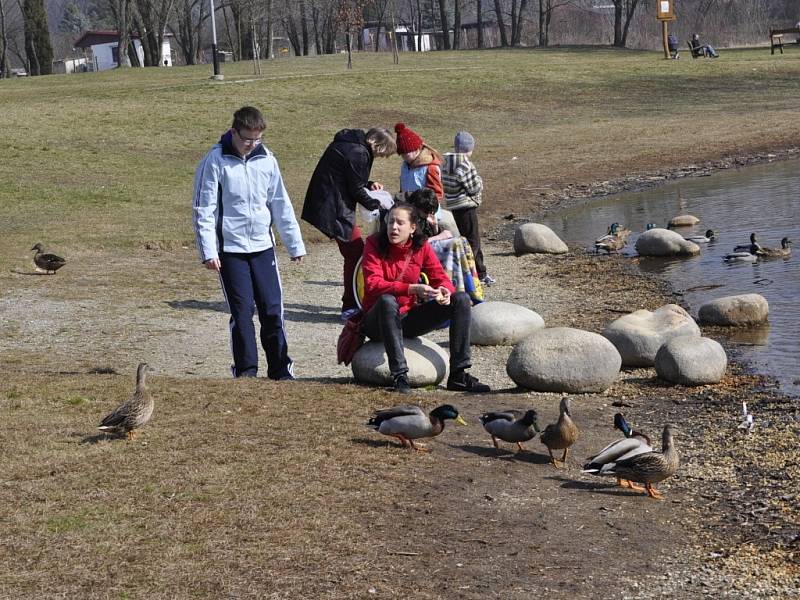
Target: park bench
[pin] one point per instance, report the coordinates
(776, 37)
(696, 52)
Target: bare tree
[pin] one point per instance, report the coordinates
(5, 61)
(479, 19)
(498, 10)
(623, 14)
(445, 27)
(190, 16)
(152, 17)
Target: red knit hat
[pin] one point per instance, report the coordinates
(407, 140)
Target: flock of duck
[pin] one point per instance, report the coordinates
(631, 459)
(616, 238)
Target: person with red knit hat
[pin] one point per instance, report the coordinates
(421, 163)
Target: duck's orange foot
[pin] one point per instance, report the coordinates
(653, 492)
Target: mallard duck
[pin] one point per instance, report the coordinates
(701, 239)
(46, 261)
(632, 444)
(750, 256)
(562, 434)
(409, 422)
(512, 426)
(650, 226)
(746, 247)
(784, 251)
(134, 413)
(614, 240)
(650, 467)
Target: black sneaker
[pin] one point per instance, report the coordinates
(464, 382)
(401, 385)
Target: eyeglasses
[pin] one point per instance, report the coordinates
(248, 141)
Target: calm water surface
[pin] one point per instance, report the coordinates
(763, 199)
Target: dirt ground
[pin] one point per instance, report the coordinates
(474, 523)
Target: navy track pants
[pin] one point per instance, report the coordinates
(251, 281)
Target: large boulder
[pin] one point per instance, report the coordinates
(428, 363)
(502, 323)
(638, 335)
(745, 309)
(690, 360)
(563, 359)
(534, 238)
(665, 242)
(683, 221)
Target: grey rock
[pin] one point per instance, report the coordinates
(665, 242)
(563, 359)
(535, 238)
(638, 335)
(744, 309)
(691, 360)
(428, 363)
(683, 221)
(502, 323)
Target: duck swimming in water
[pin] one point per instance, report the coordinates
(783, 252)
(750, 256)
(746, 247)
(701, 239)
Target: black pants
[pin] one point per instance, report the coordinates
(467, 221)
(384, 323)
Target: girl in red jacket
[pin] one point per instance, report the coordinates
(395, 305)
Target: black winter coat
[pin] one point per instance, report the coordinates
(338, 183)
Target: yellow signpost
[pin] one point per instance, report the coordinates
(665, 13)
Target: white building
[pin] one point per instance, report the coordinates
(102, 48)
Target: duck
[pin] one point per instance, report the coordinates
(512, 426)
(632, 444)
(701, 239)
(650, 467)
(562, 434)
(614, 240)
(134, 413)
(750, 256)
(784, 251)
(46, 261)
(746, 247)
(650, 226)
(408, 422)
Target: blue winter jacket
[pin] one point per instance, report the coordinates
(236, 201)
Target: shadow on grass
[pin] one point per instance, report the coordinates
(310, 313)
(198, 305)
(325, 283)
(376, 442)
(99, 437)
(608, 489)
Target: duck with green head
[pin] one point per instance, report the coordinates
(408, 422)
(512, 426)
(649, 467)
(632, 444)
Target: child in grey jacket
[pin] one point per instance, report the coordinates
(463, 189)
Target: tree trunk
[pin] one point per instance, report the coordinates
(122, 19)
(479, 14)
(304, 27)
(498, 10)
(619, 6)
(38, 48)
(5, 62)
(445, 27)
(517, 17)
(270, 31)
(628, 19)
(456, 24)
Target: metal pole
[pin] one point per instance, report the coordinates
(217, 75)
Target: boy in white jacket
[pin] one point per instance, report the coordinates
(238, 195)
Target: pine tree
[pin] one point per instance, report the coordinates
(38, 49)
(73, 21)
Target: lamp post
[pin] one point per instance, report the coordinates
(217, 75)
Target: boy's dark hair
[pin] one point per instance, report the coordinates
(249, 117)
(418, 238)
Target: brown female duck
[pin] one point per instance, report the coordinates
(562, 434)
(134, 413)
(650, 467)
(50, 263)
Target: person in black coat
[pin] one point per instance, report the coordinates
(341, 180)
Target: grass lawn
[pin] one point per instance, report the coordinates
(255, 489)
(107, 159)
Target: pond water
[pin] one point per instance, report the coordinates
(764, 199)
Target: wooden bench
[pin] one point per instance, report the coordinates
(696, 52)
(776, 37)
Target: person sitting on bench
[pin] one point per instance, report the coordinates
(672, 44)
(699, 49)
